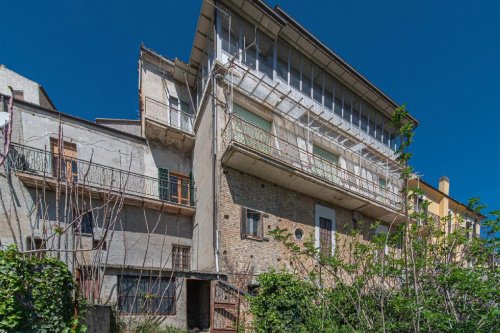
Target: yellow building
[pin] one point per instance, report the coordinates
(443, 208)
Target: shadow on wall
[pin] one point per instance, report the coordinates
(257, 194)
(131, 219)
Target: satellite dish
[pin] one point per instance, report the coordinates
(4, 119)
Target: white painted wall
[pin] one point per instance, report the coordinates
(18, 82)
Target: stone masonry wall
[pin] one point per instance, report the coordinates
(281, 208)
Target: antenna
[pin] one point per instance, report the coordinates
(4, 119)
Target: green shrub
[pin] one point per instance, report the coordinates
(36, 294)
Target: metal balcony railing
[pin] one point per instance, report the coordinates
(169, 116)
(78, 172)
(240, 132)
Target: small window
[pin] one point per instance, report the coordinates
(87, 223)
(251, 223)
(36, 243)
(99, 244)
(181, 257)
(299, 234)
(18, 94)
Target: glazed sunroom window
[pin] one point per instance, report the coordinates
(280, 61)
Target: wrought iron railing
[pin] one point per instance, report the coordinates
(169, 116)
(252, 137)
(74, 171)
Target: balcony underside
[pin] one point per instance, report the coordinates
(36, 181)
(158, 131)
(259, 165)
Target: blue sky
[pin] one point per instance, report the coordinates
(442, 58)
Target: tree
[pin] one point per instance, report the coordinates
(416, 278)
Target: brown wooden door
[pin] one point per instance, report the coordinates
(66, 161)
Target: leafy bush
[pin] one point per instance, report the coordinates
(417, 278)
(36, 294)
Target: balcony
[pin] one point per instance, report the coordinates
(165, 123)
(259, 153)
(40, 168)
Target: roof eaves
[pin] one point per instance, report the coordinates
(358, 75)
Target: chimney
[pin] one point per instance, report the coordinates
(444, 185)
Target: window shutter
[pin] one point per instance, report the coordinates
(243, 222)
(260, 226)
(163, 184)
(252, 118)
(325, 154)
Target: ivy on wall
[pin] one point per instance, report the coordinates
(36, 294)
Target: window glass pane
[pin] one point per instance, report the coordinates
(295, 69)
(380, 126)
(364, 117)
(87, 223)
(355, 111)
(174, 103)
(253, 223)
(338, 99)
(328, 93)
(266, 54)
(371, 124)
(249, 46)
(318, 85)
(282, 65)
(306, 76)
(347, 110)
(233, 48)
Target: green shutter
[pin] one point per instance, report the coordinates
(252, 118)
(163, 184)
(325, 154)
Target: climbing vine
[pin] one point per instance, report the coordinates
(36, 294)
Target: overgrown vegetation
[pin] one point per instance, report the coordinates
(417, 278)
(36, 294)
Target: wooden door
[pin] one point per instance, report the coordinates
(66, 161)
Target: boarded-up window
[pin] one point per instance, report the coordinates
(325, 236)
(251, 223)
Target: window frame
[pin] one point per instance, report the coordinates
(169, 293)
(259, 234)
(181, 257)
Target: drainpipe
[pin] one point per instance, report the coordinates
(214, 173)
(214, 161)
